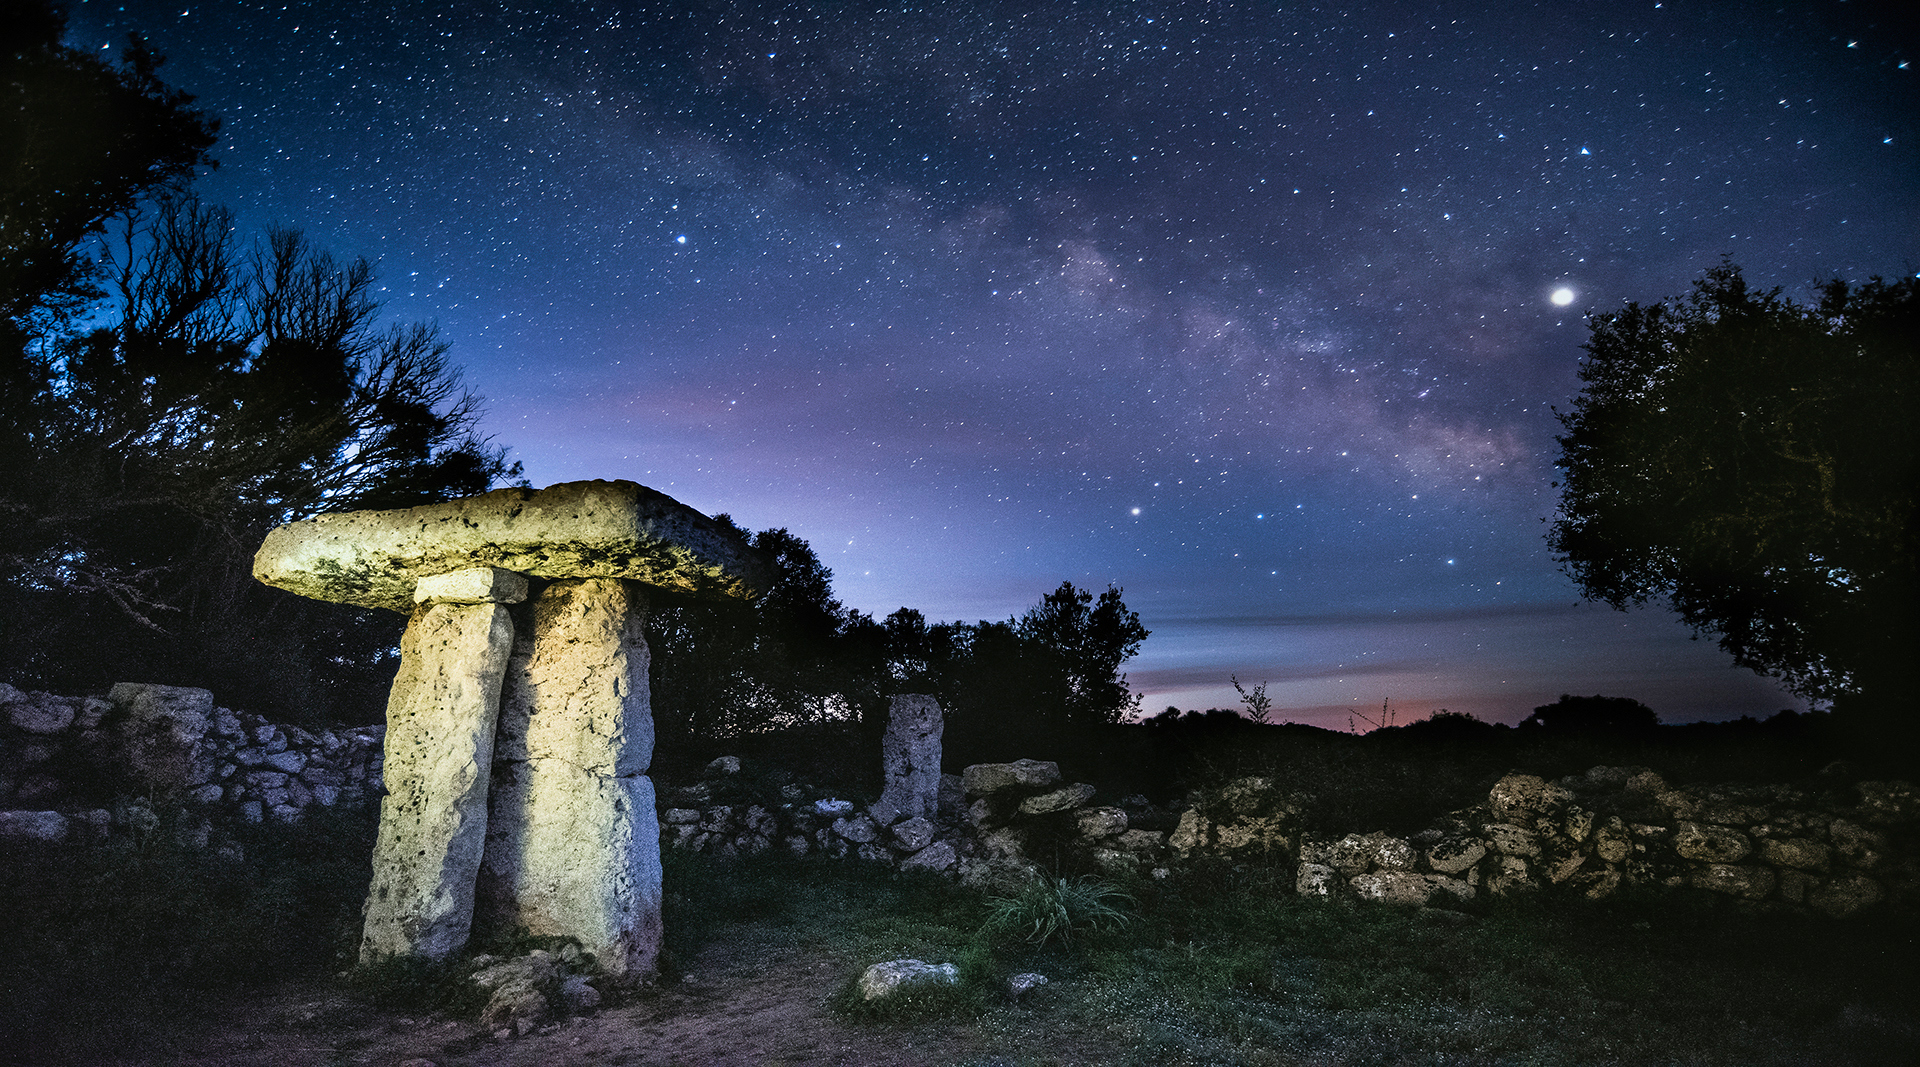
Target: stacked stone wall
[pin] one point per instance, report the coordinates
(1833, 847)
(87, 766)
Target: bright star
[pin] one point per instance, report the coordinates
(1562, 296)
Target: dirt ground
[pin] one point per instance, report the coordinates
(739, 1004)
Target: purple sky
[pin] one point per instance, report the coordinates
(1248, 312)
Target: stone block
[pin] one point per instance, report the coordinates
(1509, 840)
(913, 834)
(1856, 845)
(41, 714)
(597, 529)
(1315, 880)
(573, 841)
(433, 821)
(41, 827)
(1456, 854)
(474, 585)
(938, 856)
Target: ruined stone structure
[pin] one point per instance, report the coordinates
(519, 729)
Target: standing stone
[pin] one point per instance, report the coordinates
(573, 845)
(433, 821)
(910, 760)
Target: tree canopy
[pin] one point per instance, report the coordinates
(169, 393)
(1752, 461)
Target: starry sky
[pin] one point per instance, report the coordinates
(1258, 311)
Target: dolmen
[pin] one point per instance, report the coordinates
(519, 728)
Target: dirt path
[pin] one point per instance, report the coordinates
(740, 1004)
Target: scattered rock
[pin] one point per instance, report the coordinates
(885, 979)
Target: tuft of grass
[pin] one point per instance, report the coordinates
(1044, 908)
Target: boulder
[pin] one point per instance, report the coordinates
(1796, 852)
(1748, 881)
(597, 529)
(885, 979)
(1098, 824)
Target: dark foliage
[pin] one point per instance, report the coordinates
(235, 390)
(81, 141)
(1594, 714)
(1753, 462)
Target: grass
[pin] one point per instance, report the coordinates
(1221, 968)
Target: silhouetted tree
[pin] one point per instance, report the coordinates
(1752, 461)
(233, 391)
(81, 141)
(1594, 714)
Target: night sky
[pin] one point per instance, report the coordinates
(1258, 311)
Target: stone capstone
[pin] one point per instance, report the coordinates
(597, 529)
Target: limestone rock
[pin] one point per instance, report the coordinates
(885, 979)
(433, 821)
(44, 827)
(1522, 798)
(913, 834)
(938, 856)
(474, 585)
(1404, 888)
(598, 529)
(1455, 854)
(1021, 984)
(1065, 799)
(1749, 881)
(1315, 880)
(1846, 895)
(572, 843)
(1796, 852)
(40, 714)
(1098, 824)
(1857, 845)
(910, 760)
(1710, 844)
(1509, 840)
(1888, 802)
(164, 733)
(985, 779)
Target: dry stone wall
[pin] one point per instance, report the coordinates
(71, 766)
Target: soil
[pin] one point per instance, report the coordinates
(742, 1002)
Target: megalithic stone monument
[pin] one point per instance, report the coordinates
(517, 748)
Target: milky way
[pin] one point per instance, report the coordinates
(1259, 315)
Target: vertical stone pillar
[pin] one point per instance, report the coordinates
(573, 841)
(439, 745)
(910, 760)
